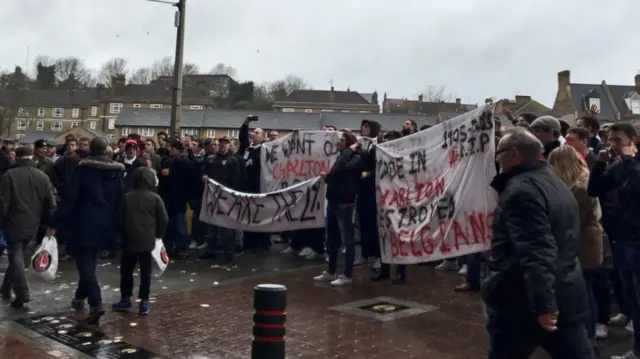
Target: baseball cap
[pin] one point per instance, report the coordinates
(224, 139)
(51, 144)
(40, 143)
(131, 143)
(546, 122)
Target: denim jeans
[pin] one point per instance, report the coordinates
(177, 236)
(88, 286)
(628, 261)
(517, 336)
(340, 230)
(221, 237)
(589, 281)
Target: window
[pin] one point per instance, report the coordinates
(20, 136)
(74, 124)
(22, 125)
(41, 112)
(115, 107)
(195, 107)
(635, 106)
(233, 133)
(94, 111)
(288, 110)
(58, 112)
(308, 110)
(136, 105)
(125, 131)
(595, 102)
(155, 105)
(75, 113)
(23, 112)
(189, 132)
(112, 123)
(211, 133)
(326, 110)
(145, 131)
(56, 126)
(92, 125)
(40, 125)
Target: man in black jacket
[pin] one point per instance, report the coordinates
(623, 175)
(535, 294)
(226, 169)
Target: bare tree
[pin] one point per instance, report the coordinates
(289, 84)
(262, 99)
(190, 69)
(67, 67)
(141, 76)
(222, 69)
(162, 67)
(114, 67)
(5, 79)
(436, 94)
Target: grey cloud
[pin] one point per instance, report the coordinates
(476, 48)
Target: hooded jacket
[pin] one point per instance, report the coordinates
(90, 203)
(143, 217)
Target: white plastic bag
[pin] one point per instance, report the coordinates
(160, 258)
(44, 261)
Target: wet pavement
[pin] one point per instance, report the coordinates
(203, 312)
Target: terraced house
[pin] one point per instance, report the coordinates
(614, 102)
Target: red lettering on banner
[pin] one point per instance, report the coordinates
(401, 196)
(307, 168)
(473, 228)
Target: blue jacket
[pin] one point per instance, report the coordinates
(90, 203)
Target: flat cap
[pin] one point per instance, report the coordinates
(546, 122)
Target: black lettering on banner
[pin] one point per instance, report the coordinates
(286, 201)
(245, 209)
(272, 154)
(392, 168)
(412, 215)
(296, 145)
(472, 137)
(285, 184)
(330, 148)
(446, 207)
(384, 222)
(418, 161)
(311, 203)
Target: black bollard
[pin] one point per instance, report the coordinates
(269, 317)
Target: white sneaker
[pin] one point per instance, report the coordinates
(463, 270)
(619, 319)
(341, 280)
(287, 250)
(193, 245)
(344, 251)
(325, 277)
(377, 264)
(629, 326)
(448, 266)
(627, 355)
(602, 332)
(202, 246)
(305, 252)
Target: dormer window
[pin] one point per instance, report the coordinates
(635, 107)
(594, 102)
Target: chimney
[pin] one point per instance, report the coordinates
(458, 101)
(637, 79)
(520, 100)
(374, 97)
(332, 94)
(118, 82)
(564, 79)
(488, 100)
(420, 98)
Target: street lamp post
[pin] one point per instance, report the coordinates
(176, 96)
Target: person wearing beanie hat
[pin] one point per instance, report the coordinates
(89, 215)
(43, 163)
(547, 130)
(342, 182)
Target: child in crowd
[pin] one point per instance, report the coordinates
(144, 218)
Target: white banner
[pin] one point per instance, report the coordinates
(297, 157)
(298, 207)
(434, 199)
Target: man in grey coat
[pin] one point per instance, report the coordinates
(26, 203)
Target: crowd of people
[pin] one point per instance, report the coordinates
(564, 231)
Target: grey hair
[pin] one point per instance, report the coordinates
(527, 144)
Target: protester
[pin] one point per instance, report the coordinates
(578, 138)
(547, 130)
(591, 124)
(52, 149)
(131, 162)
(143, 219)
(534, 294)
(40, 158)
(89, 210)
(26, 202)
(623, 175)
(342, 183)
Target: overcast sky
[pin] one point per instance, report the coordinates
(477, 48)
